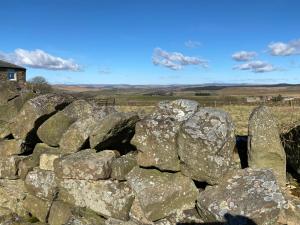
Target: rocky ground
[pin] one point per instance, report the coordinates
(65, 160)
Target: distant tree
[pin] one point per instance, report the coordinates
(277, 98)
(39, 85)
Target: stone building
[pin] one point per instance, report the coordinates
(11, 72)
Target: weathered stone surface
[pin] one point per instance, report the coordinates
(155, 135)
(41, 148)
(41, 183)
(264, 146)
(37, 207)
(105, 197)
(60, 213)
(115, 128)
(12, 195)
(4, 129)
(52, 130)
(252, 193)
(12, 147)
(161, 194)
(123, 165)
(47, 160)
(85, 165)
(112, 221)
(35, 112)
(205, 145)
(9, 166)
(85, 217)
(78, 133)
(290, 215)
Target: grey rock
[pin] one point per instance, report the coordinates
(205, 145)
(264, 146)
(123, 165)
(161, 194)
(155, 135)
(252, 193)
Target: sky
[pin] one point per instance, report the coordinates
(153, 41)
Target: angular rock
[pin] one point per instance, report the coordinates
(205, 145)
(264, 145)
(112, 221)
(12, 195)
(42, 148)
(47, 160)
(161, 194)
(155, 135)
(52, 130)
(252, 193)
(37, 207)
(41, 183)
(85, 165)
(9, 166)
(4, 129)
(34, 113)
(105, 197)
(85, 217)
(78, 133)
(60, 213)
(115, 128)
(121, 166)
(12, 147)
(290, 215)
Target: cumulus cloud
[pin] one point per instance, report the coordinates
(192, 44)
(39, 59)
(284, 49)
(243, 56)
(175, 60)
(256, 67)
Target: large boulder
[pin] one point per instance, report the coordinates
(115, 128)
(4, 129)
(12, 195)
(155, 135)
(121, 166)
(264, 145)
(41, 183)
(12, 147)
(34, 112)
(105, 197)
(85, 165)
(9, 166)
(160, 193)
(77, 135)
(52, 130)
(251, 193)
(205, 145)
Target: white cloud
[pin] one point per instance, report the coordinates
(39, 59)
(243, 56)
(284, 49)
(256, 67)
(192, 44)
(175, 60)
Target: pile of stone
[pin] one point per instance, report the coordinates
(70, 161)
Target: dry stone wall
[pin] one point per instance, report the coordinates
(67, 161)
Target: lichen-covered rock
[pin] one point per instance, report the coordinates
(4, 129)
(112, 221)
(121, 166)
(79, 132)
(85, 217)
(52, 130)
(12, 195)
(85, 165)
(264, 146)
(161, 194)
(9, 166)
(155, 135)
(290, 215)
(47, 160)
(205, 145)
(12, 147)
(41, 183)
(253, 193)
(37, 207)
(105, 197)
(34, 112)
(60, 213)
(113, 129)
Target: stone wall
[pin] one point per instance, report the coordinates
(67, 161)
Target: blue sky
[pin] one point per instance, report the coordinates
(153, 41)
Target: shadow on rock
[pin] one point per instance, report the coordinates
(229, 220)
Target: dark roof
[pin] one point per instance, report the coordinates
(4, 64)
